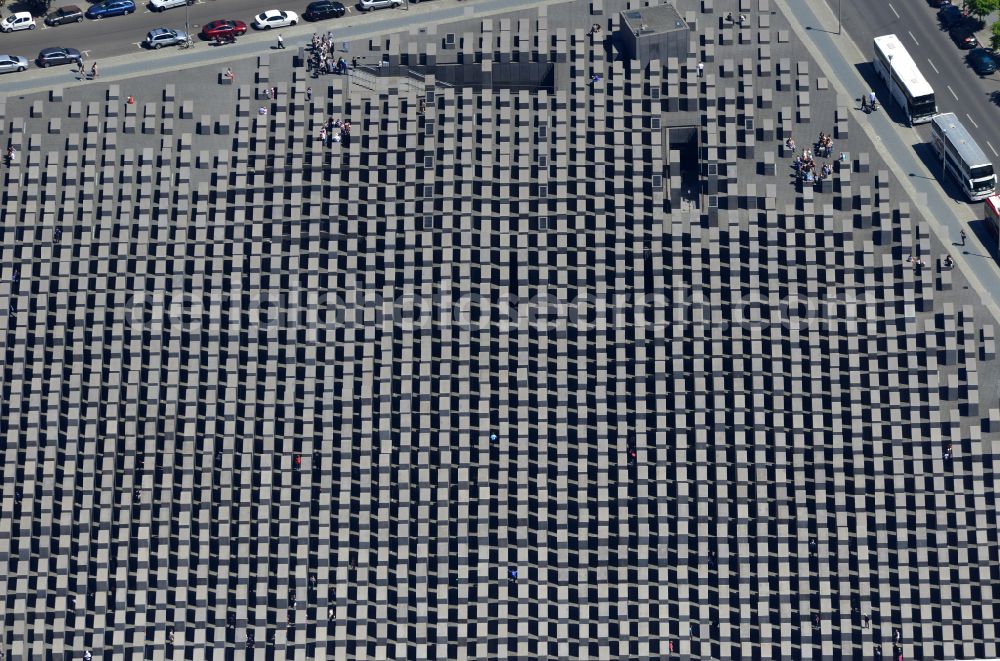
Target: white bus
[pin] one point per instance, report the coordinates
(905, 82)
(962, 158)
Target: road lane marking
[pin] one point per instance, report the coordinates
(932, 65)
(972, 120)
(893, 9)
(991, 148)
(952, 92)
(913, 38)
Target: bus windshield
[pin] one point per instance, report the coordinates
(982, 184)
(981, 171)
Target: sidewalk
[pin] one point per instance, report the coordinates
(986, 34)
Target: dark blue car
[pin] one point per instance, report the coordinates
(981, 61)
(111, 8)
(951, 16)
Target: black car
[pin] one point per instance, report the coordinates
(937, 4)
(951, 16)
(49, 56)
(317, 11)
(963, 37)
(63, 15)
(981, 61)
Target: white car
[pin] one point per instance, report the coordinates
(162, 5)
(22, 20)
(368, 5)
(275, 18)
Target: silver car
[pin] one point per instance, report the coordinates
(10, 63)
(368, 5)
(159, 37)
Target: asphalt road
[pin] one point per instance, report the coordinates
(122, 35)
(958, 88)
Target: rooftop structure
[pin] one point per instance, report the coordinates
(654, 33)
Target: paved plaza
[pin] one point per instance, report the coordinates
(552, 356)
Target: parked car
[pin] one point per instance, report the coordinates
(368, 5)
(67, 14)
(275, 18)
(110, 8)
(58, 55)
(10, 63)
(163, 5)
(937, 4)
(951, 16)
(317, 11)
(963, 37)
(21, 20)
(157, 38)
(981, 61)
(223, 28)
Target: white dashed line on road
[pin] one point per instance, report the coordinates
(932, 65)
(972, 120)
(913, 38)
(893, 10)
(952, 92)
(991, 148)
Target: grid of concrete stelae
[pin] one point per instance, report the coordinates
(704, 477)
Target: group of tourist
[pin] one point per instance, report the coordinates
(322, 58)
(805, 163)
(824, 146)
(335, 130)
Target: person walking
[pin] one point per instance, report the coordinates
(961, 235)
(81, 69)
(309, 94)
(872, 101)
(93, 71)
(701, 69)
(867, 621)
(281, 42)
(864, 103)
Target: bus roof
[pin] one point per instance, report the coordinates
(993, 203)
(903, 65)
(960, 139)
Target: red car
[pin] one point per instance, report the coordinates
(223, 28)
